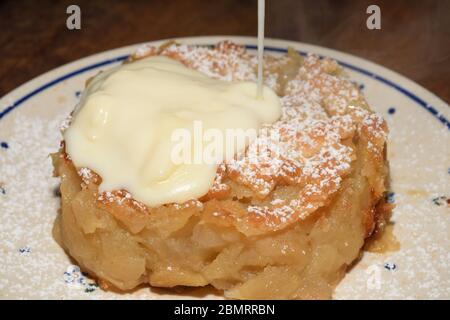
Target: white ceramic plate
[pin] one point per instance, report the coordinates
(34, 266)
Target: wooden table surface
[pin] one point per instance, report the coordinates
(414, 39)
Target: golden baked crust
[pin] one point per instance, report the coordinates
(282, 221)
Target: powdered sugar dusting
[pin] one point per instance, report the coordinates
(321, 109)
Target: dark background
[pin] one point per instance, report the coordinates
(414, 39)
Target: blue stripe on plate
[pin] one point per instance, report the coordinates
(56, 81)
(387, 82)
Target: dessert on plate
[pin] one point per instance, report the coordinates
(282, 218)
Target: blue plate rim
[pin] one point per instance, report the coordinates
(418, 101)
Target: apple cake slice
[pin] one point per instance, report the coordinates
(282, 221)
